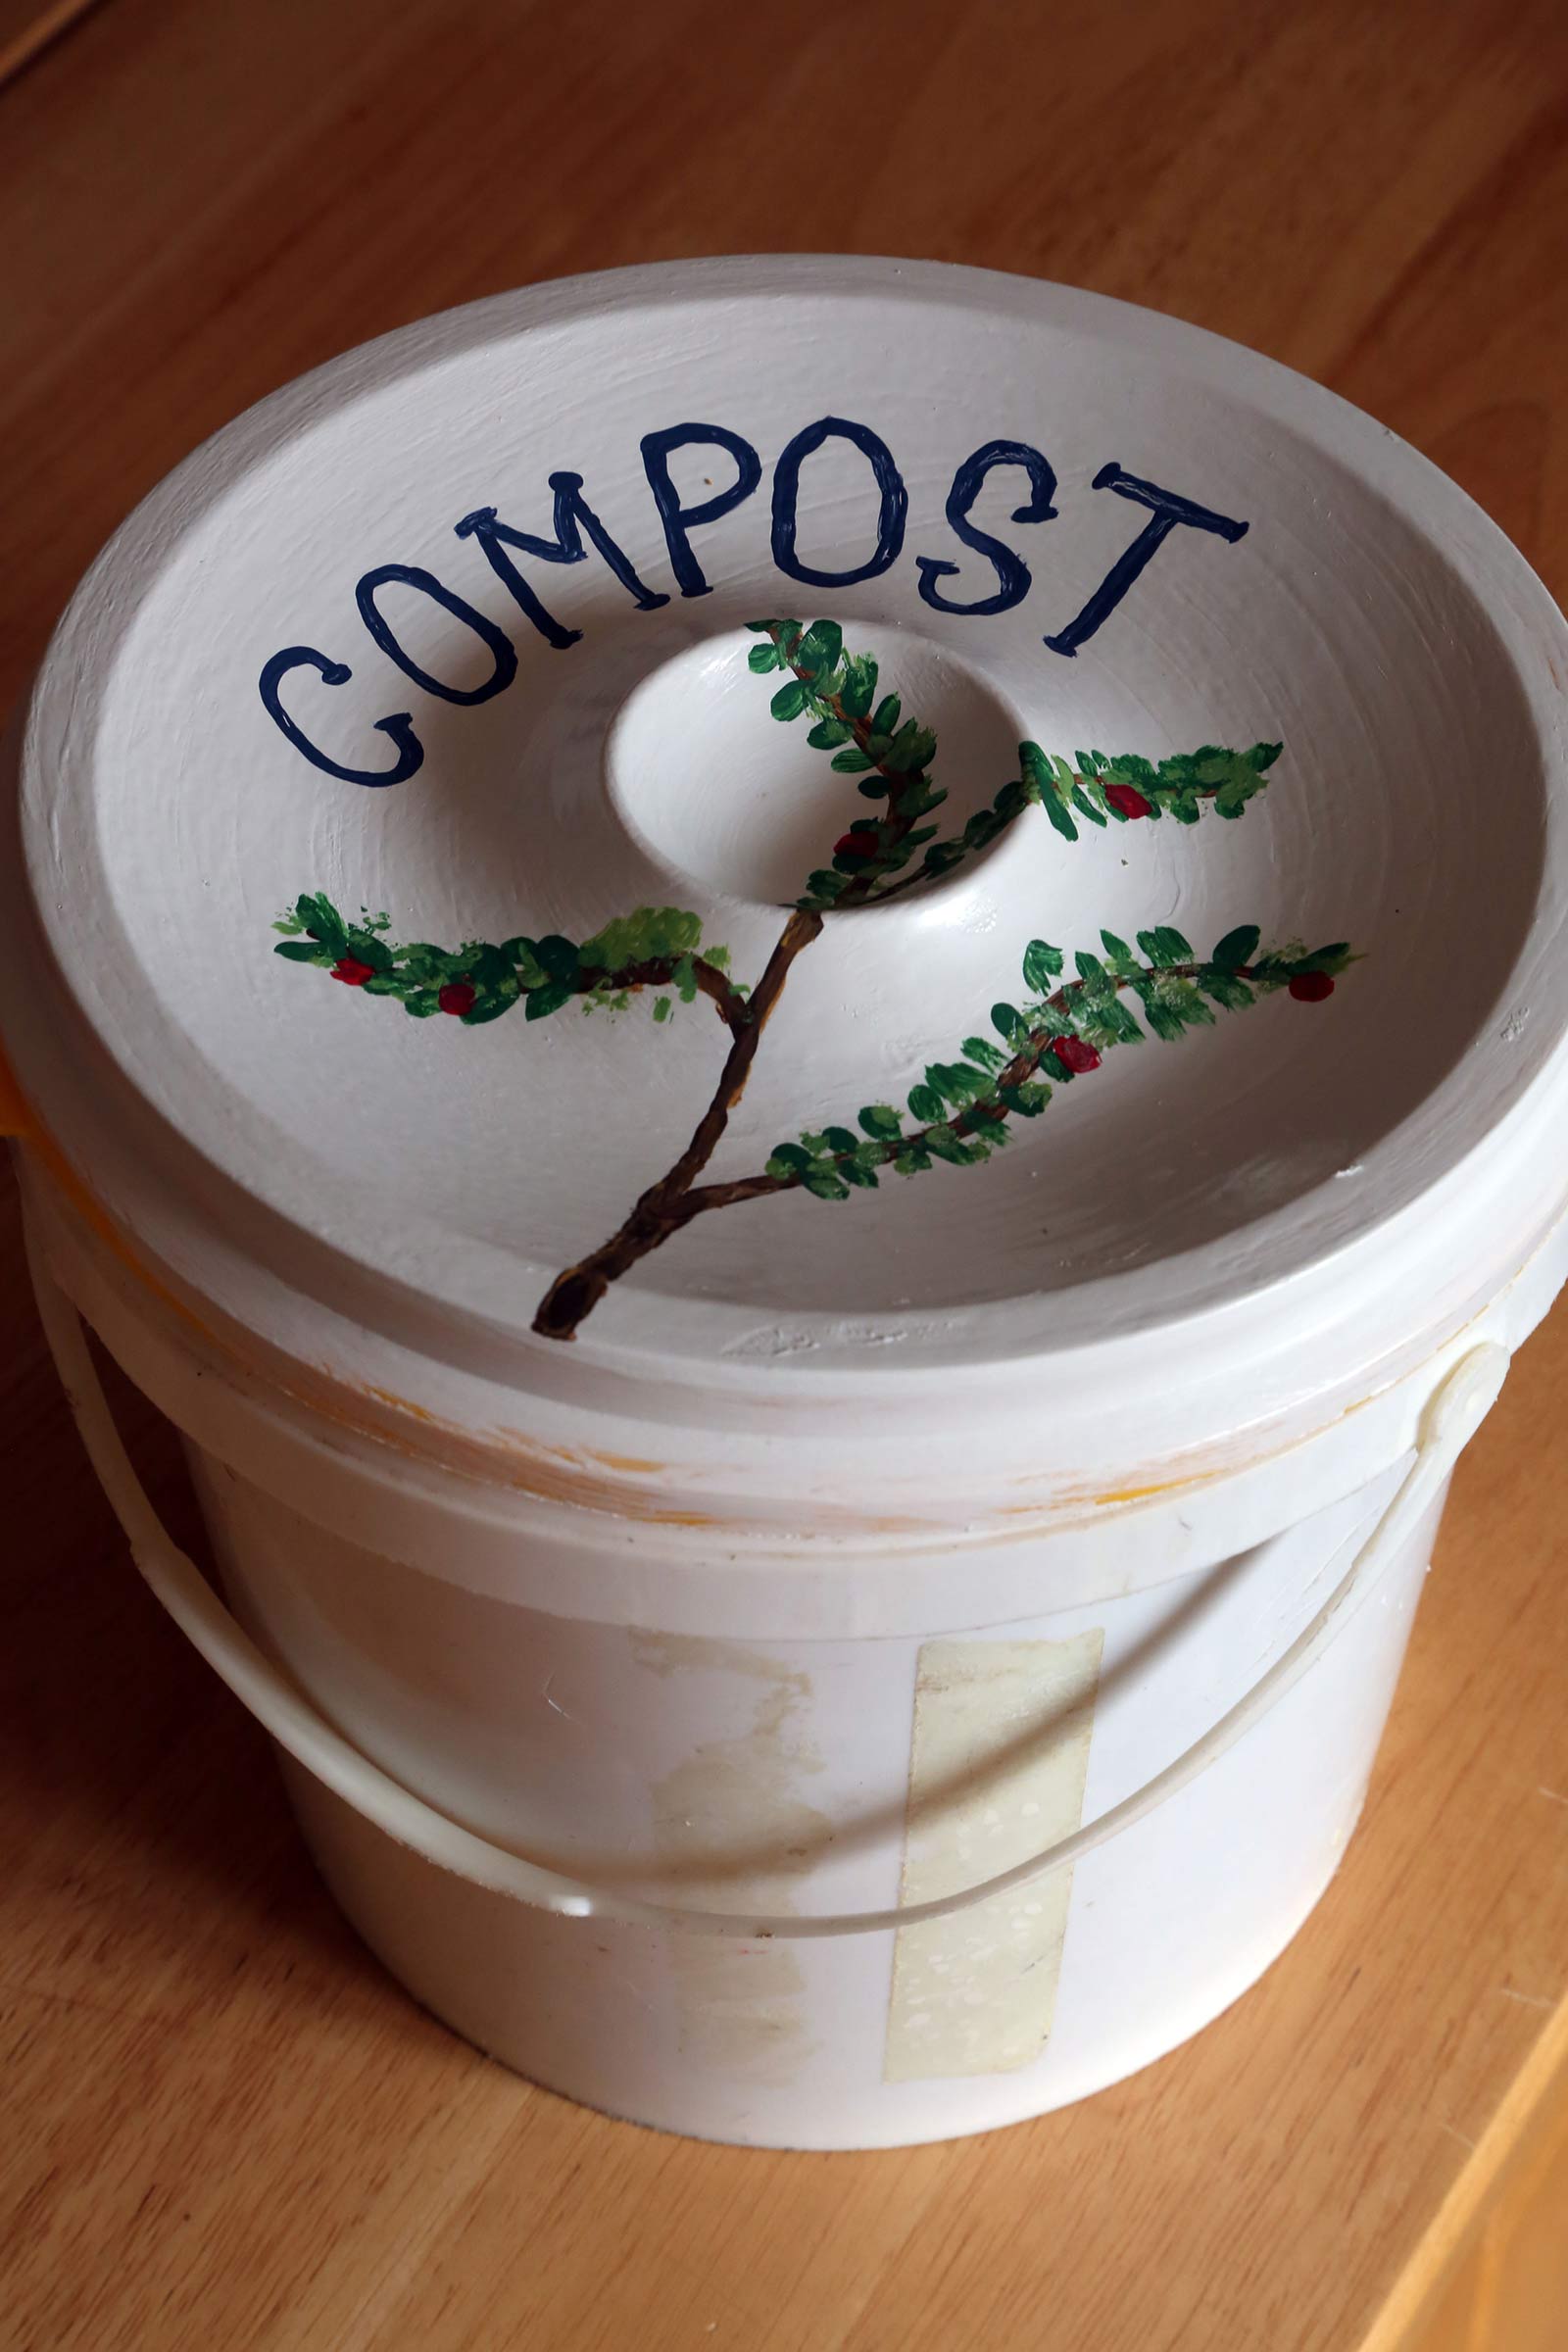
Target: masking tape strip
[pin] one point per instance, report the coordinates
(974, 1993)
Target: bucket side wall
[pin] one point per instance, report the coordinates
(830, 1776)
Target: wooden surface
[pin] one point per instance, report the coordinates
(222, 2127)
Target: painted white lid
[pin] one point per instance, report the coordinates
(318, 677)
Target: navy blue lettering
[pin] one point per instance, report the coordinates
(1165, 512)
(399, 726)
(678, 520)
(573, 518)
(892, 514)
(1013, 572)
(503, 653)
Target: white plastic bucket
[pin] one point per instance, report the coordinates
(727, 1887)
(884, 1679)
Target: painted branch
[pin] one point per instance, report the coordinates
(1023, 1065)
(659, 1213)
(864, 886)
(913, 881)
(659, 971)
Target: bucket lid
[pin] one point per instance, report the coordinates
(716, 848)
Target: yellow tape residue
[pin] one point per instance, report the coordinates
(997, 1770)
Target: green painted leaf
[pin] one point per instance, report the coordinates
(825, 1185)
(917, 797)
(841, 1140)
(761, 658)
(947, 1146)
(1226, 988)
(1120, 954)
(790, 700)
(853, 1173)
(860, 685)
(1042, 963)
(789, 1160)
(881, 1121)
(820, 647)
(885, 718)
(759, 628)
(853, 761)
(1028, 1100)
(1238, 947)
(980, 1050)
(322, 918)
(957, 1082)
(1059, 816)
(1165, 945)
(1009, 1022)
(660, 1009)
(559, 958)
(1165, 1024)
(365, 947)
(304, 950)
(828, 732)
(489, 968)
(1330, 960)
(519, 951)
(911, 749)
(540, 1002)
(925, 1104)
(489, 1009)
(423, 1002)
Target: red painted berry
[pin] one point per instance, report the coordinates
(352, 973)
(1075, 1054)
(1310, 988)
(1128, 800)
(457, 997)
(856, 844)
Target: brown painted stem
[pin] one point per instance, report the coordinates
(659, 971)
(895, 824)
(661, 1210)
(1024, 1065)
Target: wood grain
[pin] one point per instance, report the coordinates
(27, 27)
(224, 2127)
